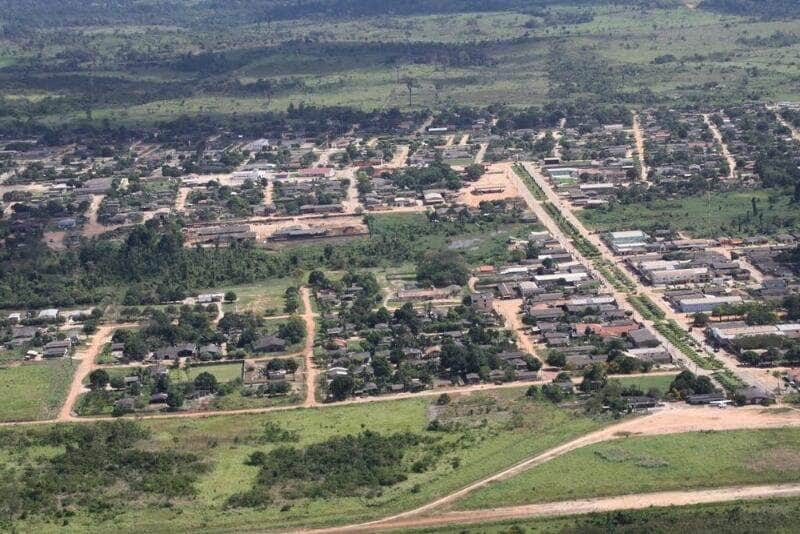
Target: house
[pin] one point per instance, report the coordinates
(640, 402)
(56, 349)
(706, 303)
(316, 172)
(158, 398)
(705, 398)
(753, 395)
(49, 314)
(642, 337)
(269, 343)
(473, 378)
(482, 302)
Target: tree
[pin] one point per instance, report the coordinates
(292, 330)
(230, 296)
(341, 387)
(441, 268)
(474, 171)
(700, 319)
(135, 348)
(556, 359)
(98, 379)
(206, 381)
(533, 363)
(174, 398)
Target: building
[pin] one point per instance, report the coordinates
(678, 276)
(482, 302)
(706, 303)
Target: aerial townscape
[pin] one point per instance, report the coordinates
(444, 266)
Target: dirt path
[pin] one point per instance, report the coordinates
(425, 125)
(351, 203)
(399, 158)
(481, 152)
(510, 310)
(180, 200)
(794, 131)
(311, 372)
(86, 365)
(464, 140)
(673, 420)
(269, 191)
(723, 147)
(588, 506)
(638, 136)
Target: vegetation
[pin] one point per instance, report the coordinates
(475, 436)
(34, 391)
(650, 464)
(740, 517)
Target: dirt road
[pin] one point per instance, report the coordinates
(308, 350)
(794, 131)
(723, 147)
(674, 419)
(510, 310)
(638, 136)
(481, 152)
(86, 365)
(588, 506)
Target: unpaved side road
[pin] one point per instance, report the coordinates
(86, 365)
(724, 147)
(588, 506)
(308, 350)
(638, 136)
(671, 420)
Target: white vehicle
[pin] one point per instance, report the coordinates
(720, 404)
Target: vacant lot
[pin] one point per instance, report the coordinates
(224, 372)
(489, 433)
(33, 391)
(721, 214)
(266, 297)
(649, 464)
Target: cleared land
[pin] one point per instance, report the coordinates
(226, 442)
(719, 214)
(34, 391)
(656, 463)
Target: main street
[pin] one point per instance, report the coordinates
(749, 376)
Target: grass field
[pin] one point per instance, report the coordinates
(481, 449)
(34, 391)
(653, 463)
(741, 517)
(718, 215)
(259, 298)
(645, 382)
(224, 372)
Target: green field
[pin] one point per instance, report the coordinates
(455, 53)
(265, 297)
(518, 429)
(653, 463)
(645, 382)
(34, 391)
(741, 517)
(721, 214)
(226, 372)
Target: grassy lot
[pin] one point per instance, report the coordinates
(653, 463)
(742, 517)
(726, 213)
(259, 298)
(12, 354)
(224, 372)
(645, 382)
(493, 432)
(34, 391)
